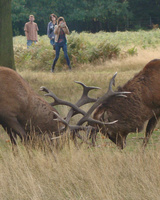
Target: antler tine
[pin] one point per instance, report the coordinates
(59, 118)
(100, 123)
(42, 88)
(112, 81)
(84, 98)
(59, 101)
(121, 94)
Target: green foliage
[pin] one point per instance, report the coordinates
(86, 15)
(132, 51)
(78, 14)
(83, 48)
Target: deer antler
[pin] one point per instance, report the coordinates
(106, 96)
(75, 109)
(58, 101)
(83, 100)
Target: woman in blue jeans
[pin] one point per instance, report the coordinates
(60, 32)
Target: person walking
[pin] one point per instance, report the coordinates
(50, 29)
(31, 29)
(60, 32)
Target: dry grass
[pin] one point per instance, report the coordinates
(100, 173)
(103, 173)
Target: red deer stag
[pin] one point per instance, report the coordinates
(21, 107)
(23, 111)
(140, 106)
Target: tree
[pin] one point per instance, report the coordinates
(87, 15)
(6, 36)
(80, 15)
(145, 12)
(20, 15)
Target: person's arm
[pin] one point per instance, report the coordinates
(66, 29)
(56, 29)
(37, 32)
(37, 28)
(48, 30)
(25, 30)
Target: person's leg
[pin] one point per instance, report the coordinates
(66, 55)
(52, 43)
(57, 48)
(29, 43)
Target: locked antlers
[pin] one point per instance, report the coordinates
(85, 99)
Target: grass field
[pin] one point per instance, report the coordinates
(86, 173)
(84, 48)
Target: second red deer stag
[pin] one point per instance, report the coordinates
(140, 106)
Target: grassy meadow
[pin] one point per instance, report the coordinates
(84, 173)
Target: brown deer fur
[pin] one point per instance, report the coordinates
(141, 105)
(21, 109)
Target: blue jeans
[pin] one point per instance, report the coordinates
(58, 47)
(29, 42)
(52, 42)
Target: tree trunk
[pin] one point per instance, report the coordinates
(6, 36)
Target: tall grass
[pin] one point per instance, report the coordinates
(100, 173)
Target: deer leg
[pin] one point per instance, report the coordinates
(12, 136)
(74, 138)
(93, 135)
(13, 126)
(149, 130)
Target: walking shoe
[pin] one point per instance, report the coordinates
(52, 70)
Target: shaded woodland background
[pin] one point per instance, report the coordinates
(88, 15)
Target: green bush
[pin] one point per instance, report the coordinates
(81, 49)
(132, 51)
(89, 51)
